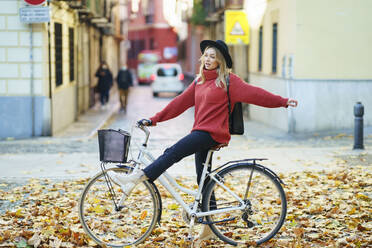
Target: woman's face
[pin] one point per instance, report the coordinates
(210, 59)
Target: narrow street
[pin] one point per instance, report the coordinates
(42, 179)
(143, 105)
(67, 65)
(79, 157)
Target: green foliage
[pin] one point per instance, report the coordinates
(198, 14)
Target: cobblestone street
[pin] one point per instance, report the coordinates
(68, 160)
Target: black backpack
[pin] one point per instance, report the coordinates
(236, 124)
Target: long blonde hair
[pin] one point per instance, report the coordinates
(222, 69)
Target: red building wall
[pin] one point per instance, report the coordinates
(151, 34)
(151, 39)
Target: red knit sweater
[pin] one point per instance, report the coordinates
(211, 104)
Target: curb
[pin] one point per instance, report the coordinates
(113, 110)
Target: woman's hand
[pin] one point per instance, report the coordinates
(292, 103)
(144, 122)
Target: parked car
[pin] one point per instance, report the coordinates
(167, 78)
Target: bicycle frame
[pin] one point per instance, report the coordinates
(170, 184)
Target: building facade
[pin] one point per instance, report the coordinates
(149, 30)
(47, 69)
(319, 59)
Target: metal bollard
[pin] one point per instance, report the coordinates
(358, 125)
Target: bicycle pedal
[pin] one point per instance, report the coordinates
(189, 238)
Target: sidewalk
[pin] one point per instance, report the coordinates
(286, 153)
(88, 123)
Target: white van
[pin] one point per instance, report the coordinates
(167, 78)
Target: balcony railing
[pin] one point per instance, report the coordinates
(77, 4)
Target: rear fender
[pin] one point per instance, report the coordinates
(254, 164)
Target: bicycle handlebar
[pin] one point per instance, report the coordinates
(145, 130)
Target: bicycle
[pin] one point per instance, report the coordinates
(249, 205)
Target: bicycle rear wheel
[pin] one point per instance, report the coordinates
(266, 205)
(112, 227)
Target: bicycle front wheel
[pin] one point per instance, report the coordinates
(264, 198)
(127, 225)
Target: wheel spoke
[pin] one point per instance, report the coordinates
(265, 205)
(108, 226)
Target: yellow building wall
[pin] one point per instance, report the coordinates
(327, 40)
(64, 106)
(282, 12)
(330, 42)
(334, 39)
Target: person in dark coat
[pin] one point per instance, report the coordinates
(125, 81)
(104, 82)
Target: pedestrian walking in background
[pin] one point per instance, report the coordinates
(125, 81)
(105, 81)
(208, 94)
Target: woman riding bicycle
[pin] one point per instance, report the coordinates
(211, 128)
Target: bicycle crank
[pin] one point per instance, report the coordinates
(186, 217)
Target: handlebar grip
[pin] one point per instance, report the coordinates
(143, 128)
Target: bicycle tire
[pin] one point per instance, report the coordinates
(130, 225)
(266, 196)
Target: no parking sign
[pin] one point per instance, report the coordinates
(35, 2)
(34, 14)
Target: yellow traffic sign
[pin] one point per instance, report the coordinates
(236, 27)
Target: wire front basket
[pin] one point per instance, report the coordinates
(113, 145)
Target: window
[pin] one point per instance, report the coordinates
(149, 19)
(152, 44)
(136, 46)
(58, 53)
(72, 55)
(260, 49)
(167, 72)
(275, 47)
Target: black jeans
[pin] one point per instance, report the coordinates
(198, 142)
(104, 97)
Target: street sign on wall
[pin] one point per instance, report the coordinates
(236, 27)
(34, 2)
(34, 14)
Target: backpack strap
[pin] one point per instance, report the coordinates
(228, 94)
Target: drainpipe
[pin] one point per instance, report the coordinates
(50, 79)
(291, 120)
(77, 30)
(32, 82)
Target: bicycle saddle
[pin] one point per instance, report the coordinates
(218, 147)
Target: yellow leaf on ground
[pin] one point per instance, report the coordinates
(352, 211)
(119, 233)
(173, 206)
(19, 213)
(143, 215)
(258, 220)
(98, 209)
(362, 196)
